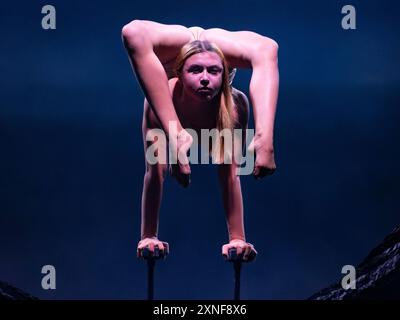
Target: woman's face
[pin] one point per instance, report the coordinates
(202, 75)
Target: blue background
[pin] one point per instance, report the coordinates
(72, 162)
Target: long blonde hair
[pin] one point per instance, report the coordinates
(226, 116)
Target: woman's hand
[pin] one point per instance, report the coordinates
(155, 247)
(244, 250)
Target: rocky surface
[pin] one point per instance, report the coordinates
(8, 292)
(377, 277)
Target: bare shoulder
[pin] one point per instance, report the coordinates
(172, 84)
(242, 106)
(240, 98)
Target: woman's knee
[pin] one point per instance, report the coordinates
(134, 35)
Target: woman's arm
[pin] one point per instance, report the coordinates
(231, 189)
(233, 205)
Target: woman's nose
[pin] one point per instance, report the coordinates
(204, 78)
(204, 81)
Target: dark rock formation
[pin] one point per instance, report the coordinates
(377, 277)
(8, 292)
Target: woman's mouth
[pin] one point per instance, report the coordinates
(204, 89)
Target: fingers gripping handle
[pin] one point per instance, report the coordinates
(234, 256)
(156, 254)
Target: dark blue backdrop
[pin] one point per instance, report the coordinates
(72, 158)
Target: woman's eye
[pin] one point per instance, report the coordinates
(195, 70)
(214, 71)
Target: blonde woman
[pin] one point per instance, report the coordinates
(198, 96)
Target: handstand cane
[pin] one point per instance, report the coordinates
(151, 263)
(237, 266)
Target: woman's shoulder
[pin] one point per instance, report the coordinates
(172, 84)
(240, 99)
(241, 106)
(175, 88)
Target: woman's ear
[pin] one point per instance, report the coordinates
(232, 74)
